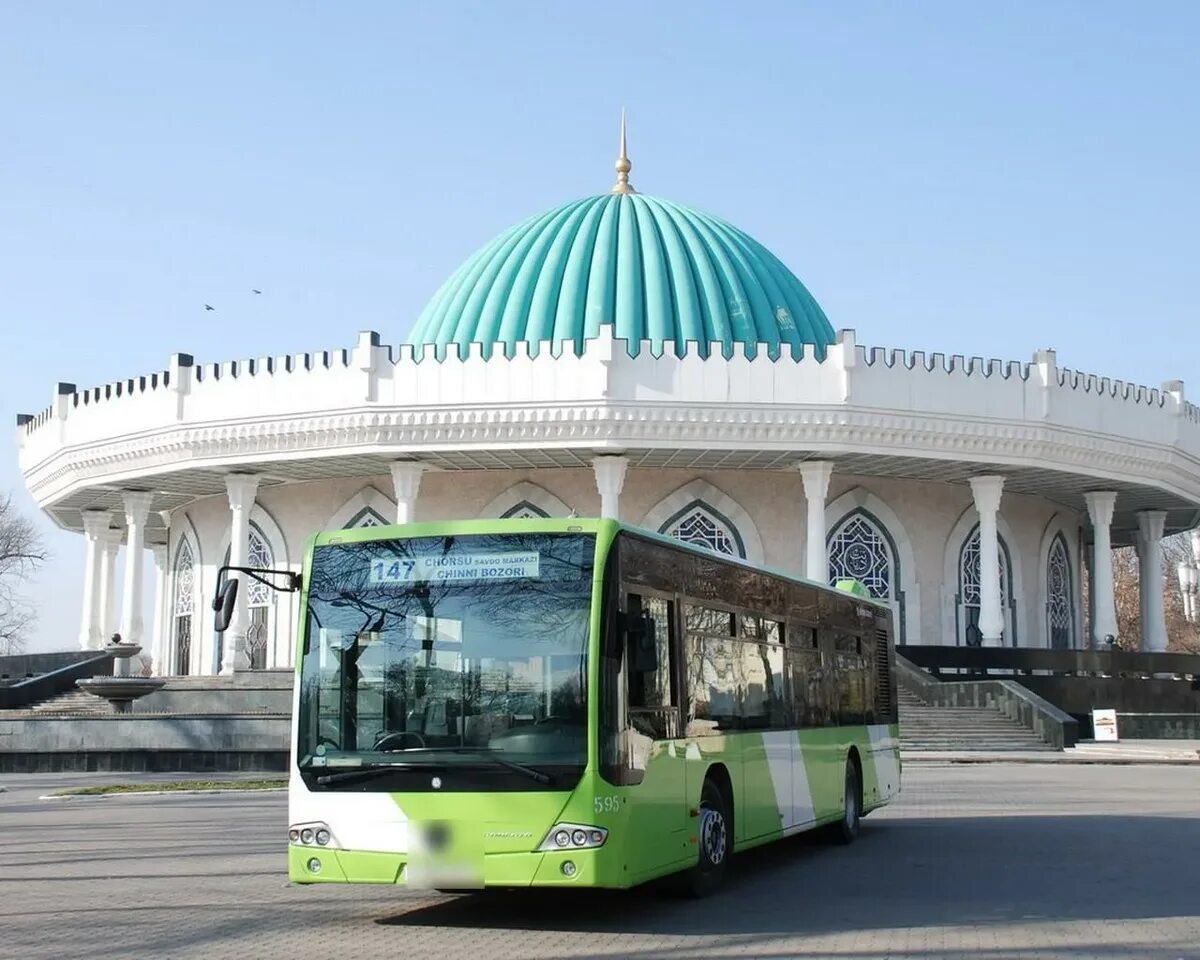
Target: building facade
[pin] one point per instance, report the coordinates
(626, 357)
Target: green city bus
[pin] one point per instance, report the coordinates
(570, 702)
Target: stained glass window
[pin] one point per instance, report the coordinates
(185, 595)
(366, 517)
(701, 527)
(259, 598)
(258, 594)
(969, 576)
(260, 602)
(523, 511)
(969, 586)
(859, 551)
(1060, 618)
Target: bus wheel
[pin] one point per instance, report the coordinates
(715, 842)
(847, 828)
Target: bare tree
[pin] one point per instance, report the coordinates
(1181, 635)
(22, 551)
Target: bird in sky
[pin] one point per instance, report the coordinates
(256, 291)
(207, 307)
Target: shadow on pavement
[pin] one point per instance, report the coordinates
(901, 873)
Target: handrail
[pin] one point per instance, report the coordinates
(1029, 660)
(14, 696)
(1048, 722)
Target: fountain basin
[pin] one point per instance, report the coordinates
(120, 691)
(123, 651)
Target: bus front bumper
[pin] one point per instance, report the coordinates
(554, 868)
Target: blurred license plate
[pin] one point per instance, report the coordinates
(450, 875)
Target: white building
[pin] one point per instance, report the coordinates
(626, 357)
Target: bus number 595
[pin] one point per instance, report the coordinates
(607, 804)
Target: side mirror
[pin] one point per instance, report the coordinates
(643, 643)
(223, 604)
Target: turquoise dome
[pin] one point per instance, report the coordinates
(654, 270)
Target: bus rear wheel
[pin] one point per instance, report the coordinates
(715, 841)
(847, 828)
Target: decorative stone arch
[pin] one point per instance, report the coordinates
(719, 505)
(367, 503)
(183, 541)
(1062, 529)
(537, 499)
(282, 606)
(1015, 625)
(906, 601)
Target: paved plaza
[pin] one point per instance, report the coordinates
(995, 861)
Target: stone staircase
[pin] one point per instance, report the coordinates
(947, 729)
(73, 703)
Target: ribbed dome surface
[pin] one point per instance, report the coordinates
(652, 269)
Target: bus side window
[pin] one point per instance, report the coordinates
(713, 671)
(810, 685)
(764, 700)
(852, 678)
(653, 695)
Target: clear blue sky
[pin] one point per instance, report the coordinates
(974, 178)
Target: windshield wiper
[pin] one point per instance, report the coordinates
(488, 754)
(370, 771)
(531, 772)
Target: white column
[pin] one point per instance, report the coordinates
(1193, 591)
(137, 508)
(107, 608)
(816, 474)
(610, 481)
(95, 523)
(1185, 571)
(987, 492)
(241, 488)
(1150, 580)
(406, 480)
(158, 643)
(1100, 504)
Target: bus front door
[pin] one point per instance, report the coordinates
(659, 818)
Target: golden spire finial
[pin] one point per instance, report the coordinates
(623, 165)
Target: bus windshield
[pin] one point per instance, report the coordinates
(455, 651)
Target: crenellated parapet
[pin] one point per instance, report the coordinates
(840, 399)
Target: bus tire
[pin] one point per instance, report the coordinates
(715, 841)
(847, 828)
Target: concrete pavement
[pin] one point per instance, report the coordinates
(996, 861)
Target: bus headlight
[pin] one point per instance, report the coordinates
(574, 836)
(312, 834)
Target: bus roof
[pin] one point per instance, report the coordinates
(595, 525)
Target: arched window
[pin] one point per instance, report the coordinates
(184, 607)
(858, 550)
(970, 592)
(524, 511)
(700, 524)
(1060, 608)
(260, 604)
(861, 548)
(366, 517)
